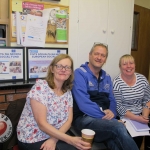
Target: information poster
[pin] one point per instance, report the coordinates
(31, 8)
(61, 26)
(11, 64)
(39, 60)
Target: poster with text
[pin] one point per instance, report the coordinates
(39, 60)
(11, 64)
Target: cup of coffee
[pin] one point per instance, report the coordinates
(87, 135)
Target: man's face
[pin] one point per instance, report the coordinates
(98, 57)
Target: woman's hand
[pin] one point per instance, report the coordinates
(49, 144)
(142, 119)
(80, 144)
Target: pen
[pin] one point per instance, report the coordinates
(124, 122)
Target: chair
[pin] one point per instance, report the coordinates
(13, 112)
(95, 146)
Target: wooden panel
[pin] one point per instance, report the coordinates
(4, 12)
(49, 39)
(142, 55)
(4, 9)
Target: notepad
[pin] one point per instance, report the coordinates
(138, 126)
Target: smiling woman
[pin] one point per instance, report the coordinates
(47, 114)
(132, 93)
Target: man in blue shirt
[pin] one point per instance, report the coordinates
(94, 103)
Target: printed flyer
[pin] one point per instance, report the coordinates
(61, 26)
(11, 64)
(31, 8)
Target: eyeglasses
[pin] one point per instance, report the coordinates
(100, 44)
(60, 67)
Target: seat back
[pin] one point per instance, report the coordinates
(13, 112)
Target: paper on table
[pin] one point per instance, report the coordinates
(132, 131)
(138, 126)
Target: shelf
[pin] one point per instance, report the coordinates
(4, 21)
(16, 84)
(3, 39)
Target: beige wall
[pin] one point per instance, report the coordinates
(143, 3)
(62, 2)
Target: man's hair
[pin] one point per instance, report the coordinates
(50, 76)
(126, 58)
(100, 44)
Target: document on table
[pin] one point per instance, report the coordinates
(132, 131)
(35, 31)
(138, 126)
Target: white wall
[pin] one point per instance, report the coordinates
(104, 21)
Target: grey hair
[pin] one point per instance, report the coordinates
(100, 44)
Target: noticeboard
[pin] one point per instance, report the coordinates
(25, 7)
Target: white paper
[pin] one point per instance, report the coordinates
(22, 19)
(132, 131)
(138, 126)
(35, 31)
(18, 27)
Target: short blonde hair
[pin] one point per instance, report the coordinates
(99, 44)
(126, 58)
(50, 76)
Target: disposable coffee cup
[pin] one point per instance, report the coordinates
(87, 135)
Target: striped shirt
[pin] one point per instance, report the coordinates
(131, 98)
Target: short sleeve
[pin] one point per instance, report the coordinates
(70, 99)
(39, 92)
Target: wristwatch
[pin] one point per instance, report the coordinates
(147, 107)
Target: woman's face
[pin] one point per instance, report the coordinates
(62, 70)
(127, 67)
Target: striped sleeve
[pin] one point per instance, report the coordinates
(131, 98)
(146, 97)
(121, 110)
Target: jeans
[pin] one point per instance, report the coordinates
(112, 132)
(36, 146)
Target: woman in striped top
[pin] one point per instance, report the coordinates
(132, 93)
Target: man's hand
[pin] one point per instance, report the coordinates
(108, 114)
